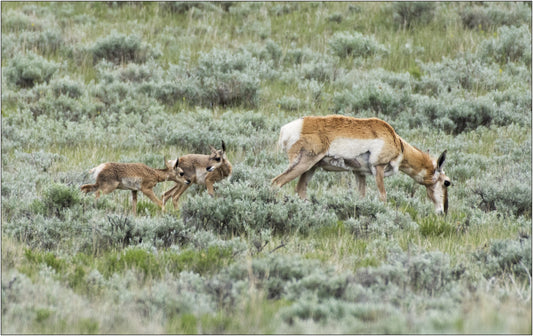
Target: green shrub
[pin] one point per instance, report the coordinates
(30, 69)
(57, 197)
(344, 44)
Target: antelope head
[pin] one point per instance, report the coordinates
(437, 191)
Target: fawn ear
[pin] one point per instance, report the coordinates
(177, 162)
(223, 146)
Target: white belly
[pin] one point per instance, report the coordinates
(358, 155)
(352, 148)
(130, 183)
(200, 175)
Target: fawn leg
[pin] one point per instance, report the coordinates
(150, 193)
(134, 201)
(168, 194)
(177, 194)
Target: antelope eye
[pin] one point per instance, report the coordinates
(217, 159)
(447, 183)
(182, 173)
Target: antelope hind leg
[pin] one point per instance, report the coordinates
(301, 165)
(301, 188)
(361, 183)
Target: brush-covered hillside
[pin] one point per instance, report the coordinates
(90, 82)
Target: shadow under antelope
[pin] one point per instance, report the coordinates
(201, 169)
(133, 176)
(363, 146)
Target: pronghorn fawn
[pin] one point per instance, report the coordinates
(133, 176)
(363, 146)
(201, 169)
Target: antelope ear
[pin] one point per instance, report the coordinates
(177, 162)
(212, 149)
(223, 146)
(440, 161)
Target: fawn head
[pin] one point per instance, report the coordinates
(176, 174)
(216, 158)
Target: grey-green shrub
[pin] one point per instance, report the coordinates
(488, 15)
(409, 13)
(379, 98)
(506, 256)
(68, 87)
(512, 44)
(30, 69)
(229, 79)
(121, 48)
(240, 207)
(344, 44)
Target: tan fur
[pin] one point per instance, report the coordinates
(313, 148)
(134, 177)
(201, 169)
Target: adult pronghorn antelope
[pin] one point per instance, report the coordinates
(133, 176)
(201, 169)
(364, 146)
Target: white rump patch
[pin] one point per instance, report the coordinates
(350, 148)
(290, 133)
(97, 170)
